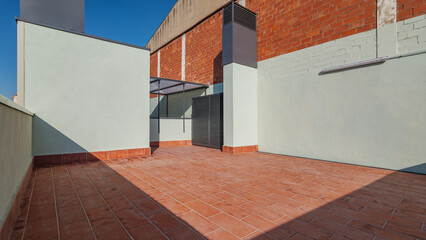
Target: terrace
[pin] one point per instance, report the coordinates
(192, 192)
(94, 148)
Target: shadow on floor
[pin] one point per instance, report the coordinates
(393, 207)
(93, 201)
(230, 198)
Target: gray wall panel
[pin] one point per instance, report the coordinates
(244, 45)
(58, 13)
(227, 43)
(239, 42)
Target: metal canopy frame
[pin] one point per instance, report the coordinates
(164, 86)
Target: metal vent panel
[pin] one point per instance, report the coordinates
(207, 121)
(200, 121)
(244, 17)
(227, 14)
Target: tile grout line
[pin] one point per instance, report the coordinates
(116, 217)
(81, 203)
(54, 201)
(255, 230)
(29, 204)
(291, 235)
(103, 176)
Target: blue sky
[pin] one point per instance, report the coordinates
(130, 21)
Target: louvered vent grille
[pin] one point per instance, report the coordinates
(234, 12)
(227, 14)
(244, 17)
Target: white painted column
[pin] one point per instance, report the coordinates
(20, 98)
(159, 63)
(183, 56)
(387, 43)
(239, 105)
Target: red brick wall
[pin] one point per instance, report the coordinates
(204, 52)
(171, 60)
(203, 58)
(410, 8)
(283, 27)
(153, 64)
(287, 26)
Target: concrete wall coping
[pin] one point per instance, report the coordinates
(5, 101)
(83, 34)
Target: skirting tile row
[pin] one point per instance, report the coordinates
(242, 149)
(91, 156)
(171, 143)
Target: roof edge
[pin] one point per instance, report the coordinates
(80, 33)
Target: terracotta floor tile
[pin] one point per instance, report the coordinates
(257, 199)
(110, 231)
(147, 231)
(165, 221)
(146, 205)
(76, 230)
(181, 196)
(299, 236)
(258, 235)
(174, 206)
(199, 223)
(309, 230)
(260, 222)
(45, 229)
(233, 225)
(184, 233)
(207, 198)
(221, 234)
(202, 208)
(222, 196)
(377, 231)
(262, 211)
(232, 210)
(70, 214)
(232, 198)
(131, 218)
(342, 230)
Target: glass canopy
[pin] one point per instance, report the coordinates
(164, 86)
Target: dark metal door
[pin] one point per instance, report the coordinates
(207, 121)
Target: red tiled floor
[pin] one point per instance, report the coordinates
(193, 193)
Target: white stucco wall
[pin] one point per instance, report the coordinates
(240, 105)
(411, 34)
(170, 130)
(374, 115)
(87, 94)
(15, 151)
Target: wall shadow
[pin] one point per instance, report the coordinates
(173, 106)
(116, 189)
(393, 207)
(46, 139)
(217, 69)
